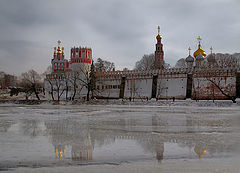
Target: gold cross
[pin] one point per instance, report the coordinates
(158, 30)
(199, 39)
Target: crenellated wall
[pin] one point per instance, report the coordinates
(159, 84)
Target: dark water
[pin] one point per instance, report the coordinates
(47, 135)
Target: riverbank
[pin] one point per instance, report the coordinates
(152, 102)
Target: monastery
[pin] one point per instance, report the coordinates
(202, 79)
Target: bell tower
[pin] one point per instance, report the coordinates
(159, 61)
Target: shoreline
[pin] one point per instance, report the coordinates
(153, 102)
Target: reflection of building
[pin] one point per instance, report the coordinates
(82, 150)
(60, 151)
(200, 150)
(152, 134)
(67, 133)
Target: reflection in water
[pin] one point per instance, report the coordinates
(5, 125)
(31, 128)
(78, 138)
(200, 150)
(70, 133)
(81, 136)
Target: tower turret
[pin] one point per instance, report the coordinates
(58, 61)
(211, 59)
(159, 61)
(189, 60)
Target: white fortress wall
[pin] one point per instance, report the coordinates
(203, 88)
(172, 83)
(172, 87)
(108, 88)
(138, 87)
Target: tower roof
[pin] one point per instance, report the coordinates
(189, 58)
(199, 50)
(158, 36)
(211, 57)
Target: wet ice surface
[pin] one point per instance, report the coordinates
(48, 136)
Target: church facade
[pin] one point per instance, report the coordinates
(201, 79)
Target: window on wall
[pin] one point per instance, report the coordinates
(55, 66)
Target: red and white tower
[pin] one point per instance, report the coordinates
(159, 61)
(81, 58)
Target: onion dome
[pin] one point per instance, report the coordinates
(158, 37)
(189, 59)
(199, 50)
(211, 58)
(59, 49)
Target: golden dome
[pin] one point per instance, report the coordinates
(199, 51)
(59, 49)
(158, 36)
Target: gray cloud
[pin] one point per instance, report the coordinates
(121, 31)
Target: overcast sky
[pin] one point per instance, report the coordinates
(121, 31)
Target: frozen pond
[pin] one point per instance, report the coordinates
(87, 136)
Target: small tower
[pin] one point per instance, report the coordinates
(159, 61)
(211, 59)
(199, 54)
(189, 60)
(59, 64)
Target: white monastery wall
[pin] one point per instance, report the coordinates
(204, 89)
(108, 88)
(138, 88)
(172, 87)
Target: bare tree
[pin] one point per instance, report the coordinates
(226, 60)
(104, 66)
(181, 63)
(74, 80)
(57, 84)
(88, 80)
(227, 91)
(146, 63)
(49, 80)
(31, 81)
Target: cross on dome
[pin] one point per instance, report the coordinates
(211, 49)
(159, 30)
(189, 50)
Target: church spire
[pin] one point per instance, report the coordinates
(159, 61)
(158, 37)
(189, 51)
(211, 49)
